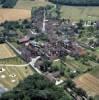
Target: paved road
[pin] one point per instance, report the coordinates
(32, 63)
(11, 65)
(14, 48)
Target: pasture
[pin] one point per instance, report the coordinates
(14, 14)
(11, 76)
(89, 83)
(6, 52)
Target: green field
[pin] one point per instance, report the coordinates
(15, 61)
(20, 73)
(6, 77)
(74, 13)
(77, 13)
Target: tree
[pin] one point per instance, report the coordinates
(81, 92)
(90, 98)
(46, 64)
(35, 87)
(80, 24)
(69, 83)
(9, 3)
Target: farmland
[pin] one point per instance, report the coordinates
(68, 50)
(80, 12)
(28, 4)
(23, 10)
(10, 76)
(86, 13)
(14, 14)
(6, 52)
(88, 83)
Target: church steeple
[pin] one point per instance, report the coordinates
(44, 24)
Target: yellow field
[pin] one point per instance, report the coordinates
(14, 14)
(89, 83)
(6, 52)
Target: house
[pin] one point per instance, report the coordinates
(50, 77)
(32, 32)
(56, 74)
(34, 43)
(26, 54)
(97, 24)
(24, 39)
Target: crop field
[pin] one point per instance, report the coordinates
(6, 52)
(74, 13)
(28, 4)
(89, 83)
(14, 14)
(73, 64)
(77, 13)
(10, 76)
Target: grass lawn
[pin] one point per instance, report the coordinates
(16, 61)
(11, 75)
(20, 73)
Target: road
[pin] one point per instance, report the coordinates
(33, 61)
(14, 48)
(32, 64)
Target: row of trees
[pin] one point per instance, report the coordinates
(77, 2)
(13, 25)
(8, 3)
(36, 87)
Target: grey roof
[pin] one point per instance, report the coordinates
(2, 90)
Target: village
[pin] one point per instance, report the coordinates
(60, 47)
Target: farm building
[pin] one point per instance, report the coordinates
(24, 39)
